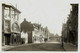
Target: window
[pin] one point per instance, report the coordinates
(15, 27)
(12, 13)
(6, 13)
(7, 26)
(15, 15)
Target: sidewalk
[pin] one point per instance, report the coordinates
(70, 47)
(7, 47)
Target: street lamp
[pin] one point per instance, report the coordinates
(62, 40)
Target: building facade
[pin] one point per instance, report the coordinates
(10, 25)
(26, 31)
(70, 32)
(72, 25)
(38, 34)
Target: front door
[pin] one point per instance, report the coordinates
(7, 39)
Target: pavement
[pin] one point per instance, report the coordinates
(7, 47)
(70, 47)
(38, 47)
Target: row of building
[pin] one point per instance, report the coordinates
(38, 33)
(14, 33)
(70, 28)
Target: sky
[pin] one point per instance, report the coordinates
(50, 13)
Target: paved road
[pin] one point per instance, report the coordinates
(39, 47)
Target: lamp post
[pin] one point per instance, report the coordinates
(62, 40)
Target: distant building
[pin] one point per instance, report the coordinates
(51, 36)
(38, 34)
(26, 31)
(55, 38)
(10, 25)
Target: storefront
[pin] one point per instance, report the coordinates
(10, 25)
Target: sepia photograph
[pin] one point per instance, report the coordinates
(39, 25)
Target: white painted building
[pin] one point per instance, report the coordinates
(38, 35)
(24, 36)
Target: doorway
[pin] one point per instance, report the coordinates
(30, 37)
(7, 39)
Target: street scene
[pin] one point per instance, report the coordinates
(39, 26)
